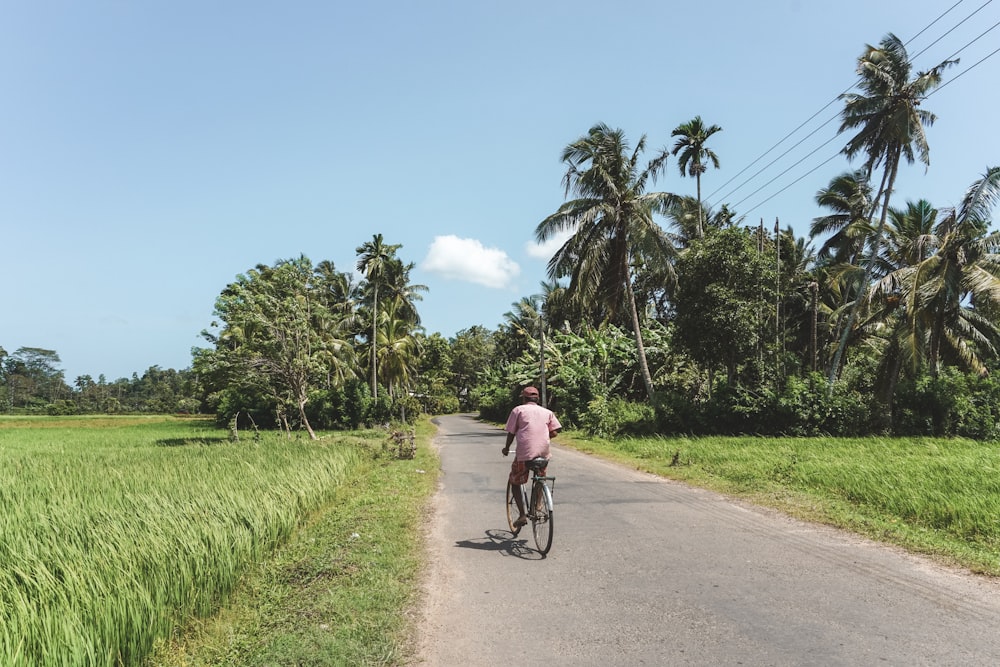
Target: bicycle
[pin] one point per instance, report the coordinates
(539, 509)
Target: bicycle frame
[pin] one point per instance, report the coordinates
(537, 508)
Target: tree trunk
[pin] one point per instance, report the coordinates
(647, 379)
(374, 358)
(305, 420)
(701, 223)
(886, 389)
(934, 354)
(863, 287)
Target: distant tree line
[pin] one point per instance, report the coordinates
(31, 382)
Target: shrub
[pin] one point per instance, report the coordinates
(61, 407)
(951, 404)
(340, 408)
(619, 417)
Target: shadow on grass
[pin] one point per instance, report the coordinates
(187, 442)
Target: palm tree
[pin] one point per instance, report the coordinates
(692, 136)
(936, 268)
(939, 288)
(373, 259)
(686, 219)
(849, 196)
(911, 234)
(339, 296)
(398, 350)
(613, 225)
(890, 127)
(398, 289)
(527, 321)
(338, 290)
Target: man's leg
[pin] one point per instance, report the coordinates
(516, 471)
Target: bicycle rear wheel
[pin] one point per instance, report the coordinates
(512, 511)
(541, 516)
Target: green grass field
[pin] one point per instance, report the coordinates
(118, 533)
(939, 497)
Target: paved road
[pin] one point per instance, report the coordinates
(651, 572)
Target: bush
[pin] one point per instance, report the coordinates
(806, 408)
(61, 407)
(341, 408)
(619, 417)
(803, 408)
(951, 404)
(495, 396)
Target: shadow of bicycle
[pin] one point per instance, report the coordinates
(504, 542)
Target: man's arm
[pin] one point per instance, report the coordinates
(506, 448)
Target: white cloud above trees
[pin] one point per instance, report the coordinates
(469, 260)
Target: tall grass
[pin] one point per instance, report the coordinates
(938, 496)
(341, 592)
(113, 532)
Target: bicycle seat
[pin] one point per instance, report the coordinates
(537, 464)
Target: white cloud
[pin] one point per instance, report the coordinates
(469, 260)
(547, 249)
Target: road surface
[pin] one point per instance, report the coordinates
(645, 571)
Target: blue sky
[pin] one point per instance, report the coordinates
(152, 151)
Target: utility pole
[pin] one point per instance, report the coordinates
(814, 286)
(541, 357)
(778, 342)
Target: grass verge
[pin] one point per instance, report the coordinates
(938, 497)
(336, 592)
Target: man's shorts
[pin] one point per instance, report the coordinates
(519, 472)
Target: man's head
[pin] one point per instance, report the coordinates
(529, 394)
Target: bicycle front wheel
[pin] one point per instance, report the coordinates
(512, 511)
(541, 516)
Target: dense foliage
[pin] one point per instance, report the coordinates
(892, 327)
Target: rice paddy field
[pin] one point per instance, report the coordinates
(115, 532)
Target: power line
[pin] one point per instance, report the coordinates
(811, 153)
(817, 149)
(953, 29)
(743, 184)
(966, 70)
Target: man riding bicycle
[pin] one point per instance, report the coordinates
(533, 426)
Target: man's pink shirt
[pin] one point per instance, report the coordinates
(531, 423)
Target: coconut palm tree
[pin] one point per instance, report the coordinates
(686, 218)
(889, 127)
(692, 136)
(398, 349)
(947, 272)
(374, 258)
(338, 290)
(849, 197)
(936, 267)
(527, 321)
(398, 289)
(612, 223)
